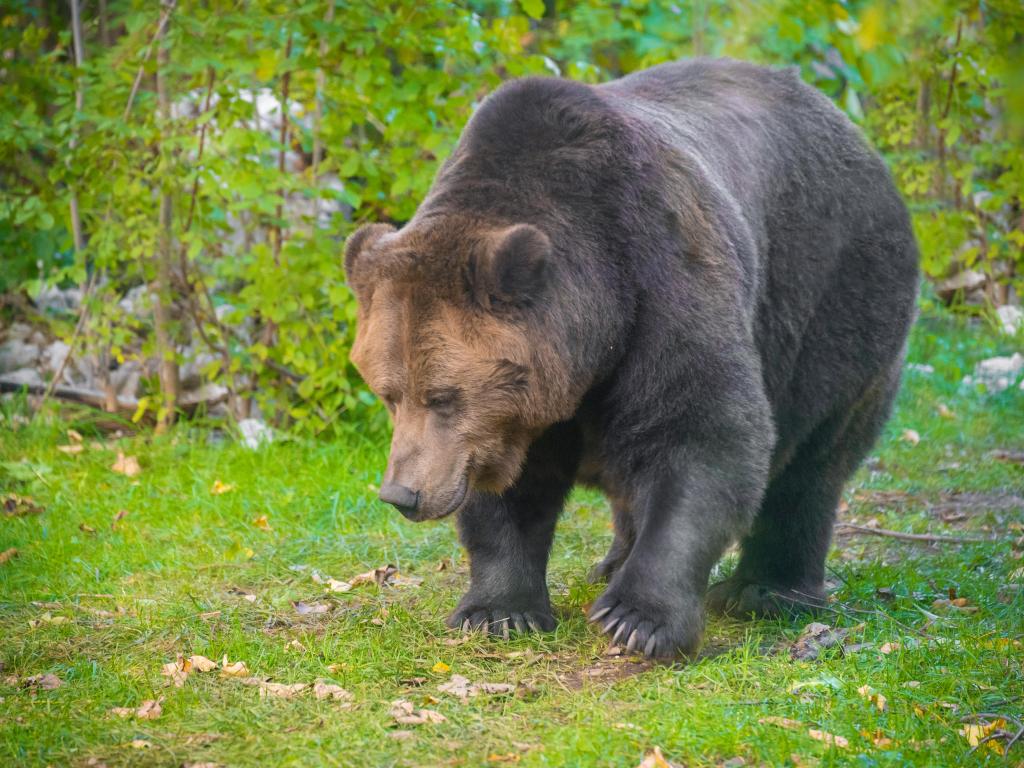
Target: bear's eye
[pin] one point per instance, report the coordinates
(390, 400)
(442, 401)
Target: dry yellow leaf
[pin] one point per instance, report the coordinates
(406, 713)
(202, 664)
(74, 436)
(781, 722)
(910, 436)
(149, 709)
(975, 733)
(653, 758)
(121, 711)
(324, 690)
(262, 523)
(233, 669)
(218, 488)
(177, 671)
(8, 554)
(440, 668)
(888, 648)
(72, 449)
(871, 695)
(126, 465)
(139, 744)
(828, 738)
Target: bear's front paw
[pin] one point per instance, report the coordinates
(501, 621)
(656, 631)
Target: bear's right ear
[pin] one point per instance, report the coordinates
(357, 251)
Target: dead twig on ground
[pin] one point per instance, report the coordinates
(921, 538)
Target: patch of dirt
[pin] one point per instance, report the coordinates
(956, 507)
(606, 671)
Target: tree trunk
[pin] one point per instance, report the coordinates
(76, 36)
(162, 298)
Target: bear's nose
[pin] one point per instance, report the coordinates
(405, 500)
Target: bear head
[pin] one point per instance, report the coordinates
(449, 336)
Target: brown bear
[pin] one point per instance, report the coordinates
(690, 287)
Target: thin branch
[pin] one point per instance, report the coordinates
(83, 313)
(928, 538)
(158, 35)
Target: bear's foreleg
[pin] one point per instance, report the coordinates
(508, 538)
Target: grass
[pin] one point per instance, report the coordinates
(171, 577)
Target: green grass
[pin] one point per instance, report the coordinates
(175, 562)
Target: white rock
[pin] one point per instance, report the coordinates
(254, 433)
(54, 299)
(1011, 319)
(15, 354)
(125, 379)
(19, 331)
(24, 376)
(205, 393)
(998, 373)
(968, 281)
(54, 356)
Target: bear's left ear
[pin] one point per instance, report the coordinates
(511, 270)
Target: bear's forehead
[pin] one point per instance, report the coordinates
(409, 341)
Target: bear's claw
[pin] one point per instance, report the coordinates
(645, 631)
(499, 622)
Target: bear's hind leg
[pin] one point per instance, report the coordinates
(782, 565)
(625, 535)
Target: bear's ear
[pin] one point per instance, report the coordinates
(357, 249)
(511, 269)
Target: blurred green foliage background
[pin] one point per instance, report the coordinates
(190, 188)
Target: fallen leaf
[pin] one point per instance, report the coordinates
(126, 465)
(910, 436)
(73, 449)
(888, 648)
(463, 689)
(814, 639)
(333, 585)
(281, 690)
(86, 528)
(828, 738)
(262, 523)
(440, 668)
(509, 757)
(149, 709)
(878, 738)
(871, 695)
(121, 711)
(401, 735)
(305, 609)
(233, 668)
(912, 684)
(8, 554)
(74, 436)
(324, 690)
(177, 671)
(405, 712)
(956, 605)
(201, 663)
(118, 517)
(386, 575)
(945, 412)
(781, 722)
(219, 488)
(20, 506)
(975, 733)
(48, 618)
(139, 744)
(653, 758)
(46, 682)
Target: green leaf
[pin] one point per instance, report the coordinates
(533, 8)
